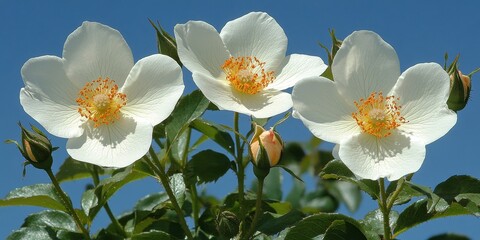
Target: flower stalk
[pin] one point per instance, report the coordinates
(258, 208)
(382, 203)
(160, 172)
(241, 169)
(67, 203)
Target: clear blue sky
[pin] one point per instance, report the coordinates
(420, 31)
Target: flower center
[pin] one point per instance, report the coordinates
(378, 115)
(100, 101)
(247, 74)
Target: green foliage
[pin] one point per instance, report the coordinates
(49, 224)
(166, 44)
(71, 170)
(373, 222)
(458, 195)
(206, 166)
(214, 132)
(41, 195)
(335, 169)
(93, 200)
(336, 226)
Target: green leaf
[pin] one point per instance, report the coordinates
(340, 230)
(57, 220)
(406, 194)
(271, 223)
(456, 185)
(449, 236)
(336, 169)
(207, 166)
(420, 212)
(373, 221)
(109, 186)
(435, 202)
(316, 225)
(346, 192)
(89, 201)
(188, 108)
(72, 170)
(34, 232)
(214, 132)
(41, 195)
(178, 187)
(166, 44)
(149, 202)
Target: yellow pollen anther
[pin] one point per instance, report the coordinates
(100, 101)
(378, 115)
(247, 74)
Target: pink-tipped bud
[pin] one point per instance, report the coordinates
(272, 144)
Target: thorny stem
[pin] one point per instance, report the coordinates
(116, 223)
(160, 172)
(67, 203)
(258, 208)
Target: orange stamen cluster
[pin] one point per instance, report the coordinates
(247, 74)
(378, 115)
(100, 101)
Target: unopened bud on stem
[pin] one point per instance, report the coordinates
(35, 148)
(266, 148)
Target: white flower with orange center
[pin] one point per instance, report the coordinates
(380, 119)
(98, 98)
(244, 68)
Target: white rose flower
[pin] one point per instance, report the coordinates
(379, 119)
(244, 67)
(97, 98)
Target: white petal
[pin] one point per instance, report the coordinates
(49, 96)
(265, 104)
(95, 50)
(423, 91)
(200, 48)
(364, 64)
(219, 93)
(392, 157)
(322, 109)
(116, 145)
(256, 34)
(153, 88)
(261, 105)
(296, 67)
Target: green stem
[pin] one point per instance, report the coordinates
(195, 206)
(160, 172)
(258, 209)
(382, 202)
(395, 194)
(240, 170)
(193, 187)
(67, 203)
(115, 222)
(187, 145)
